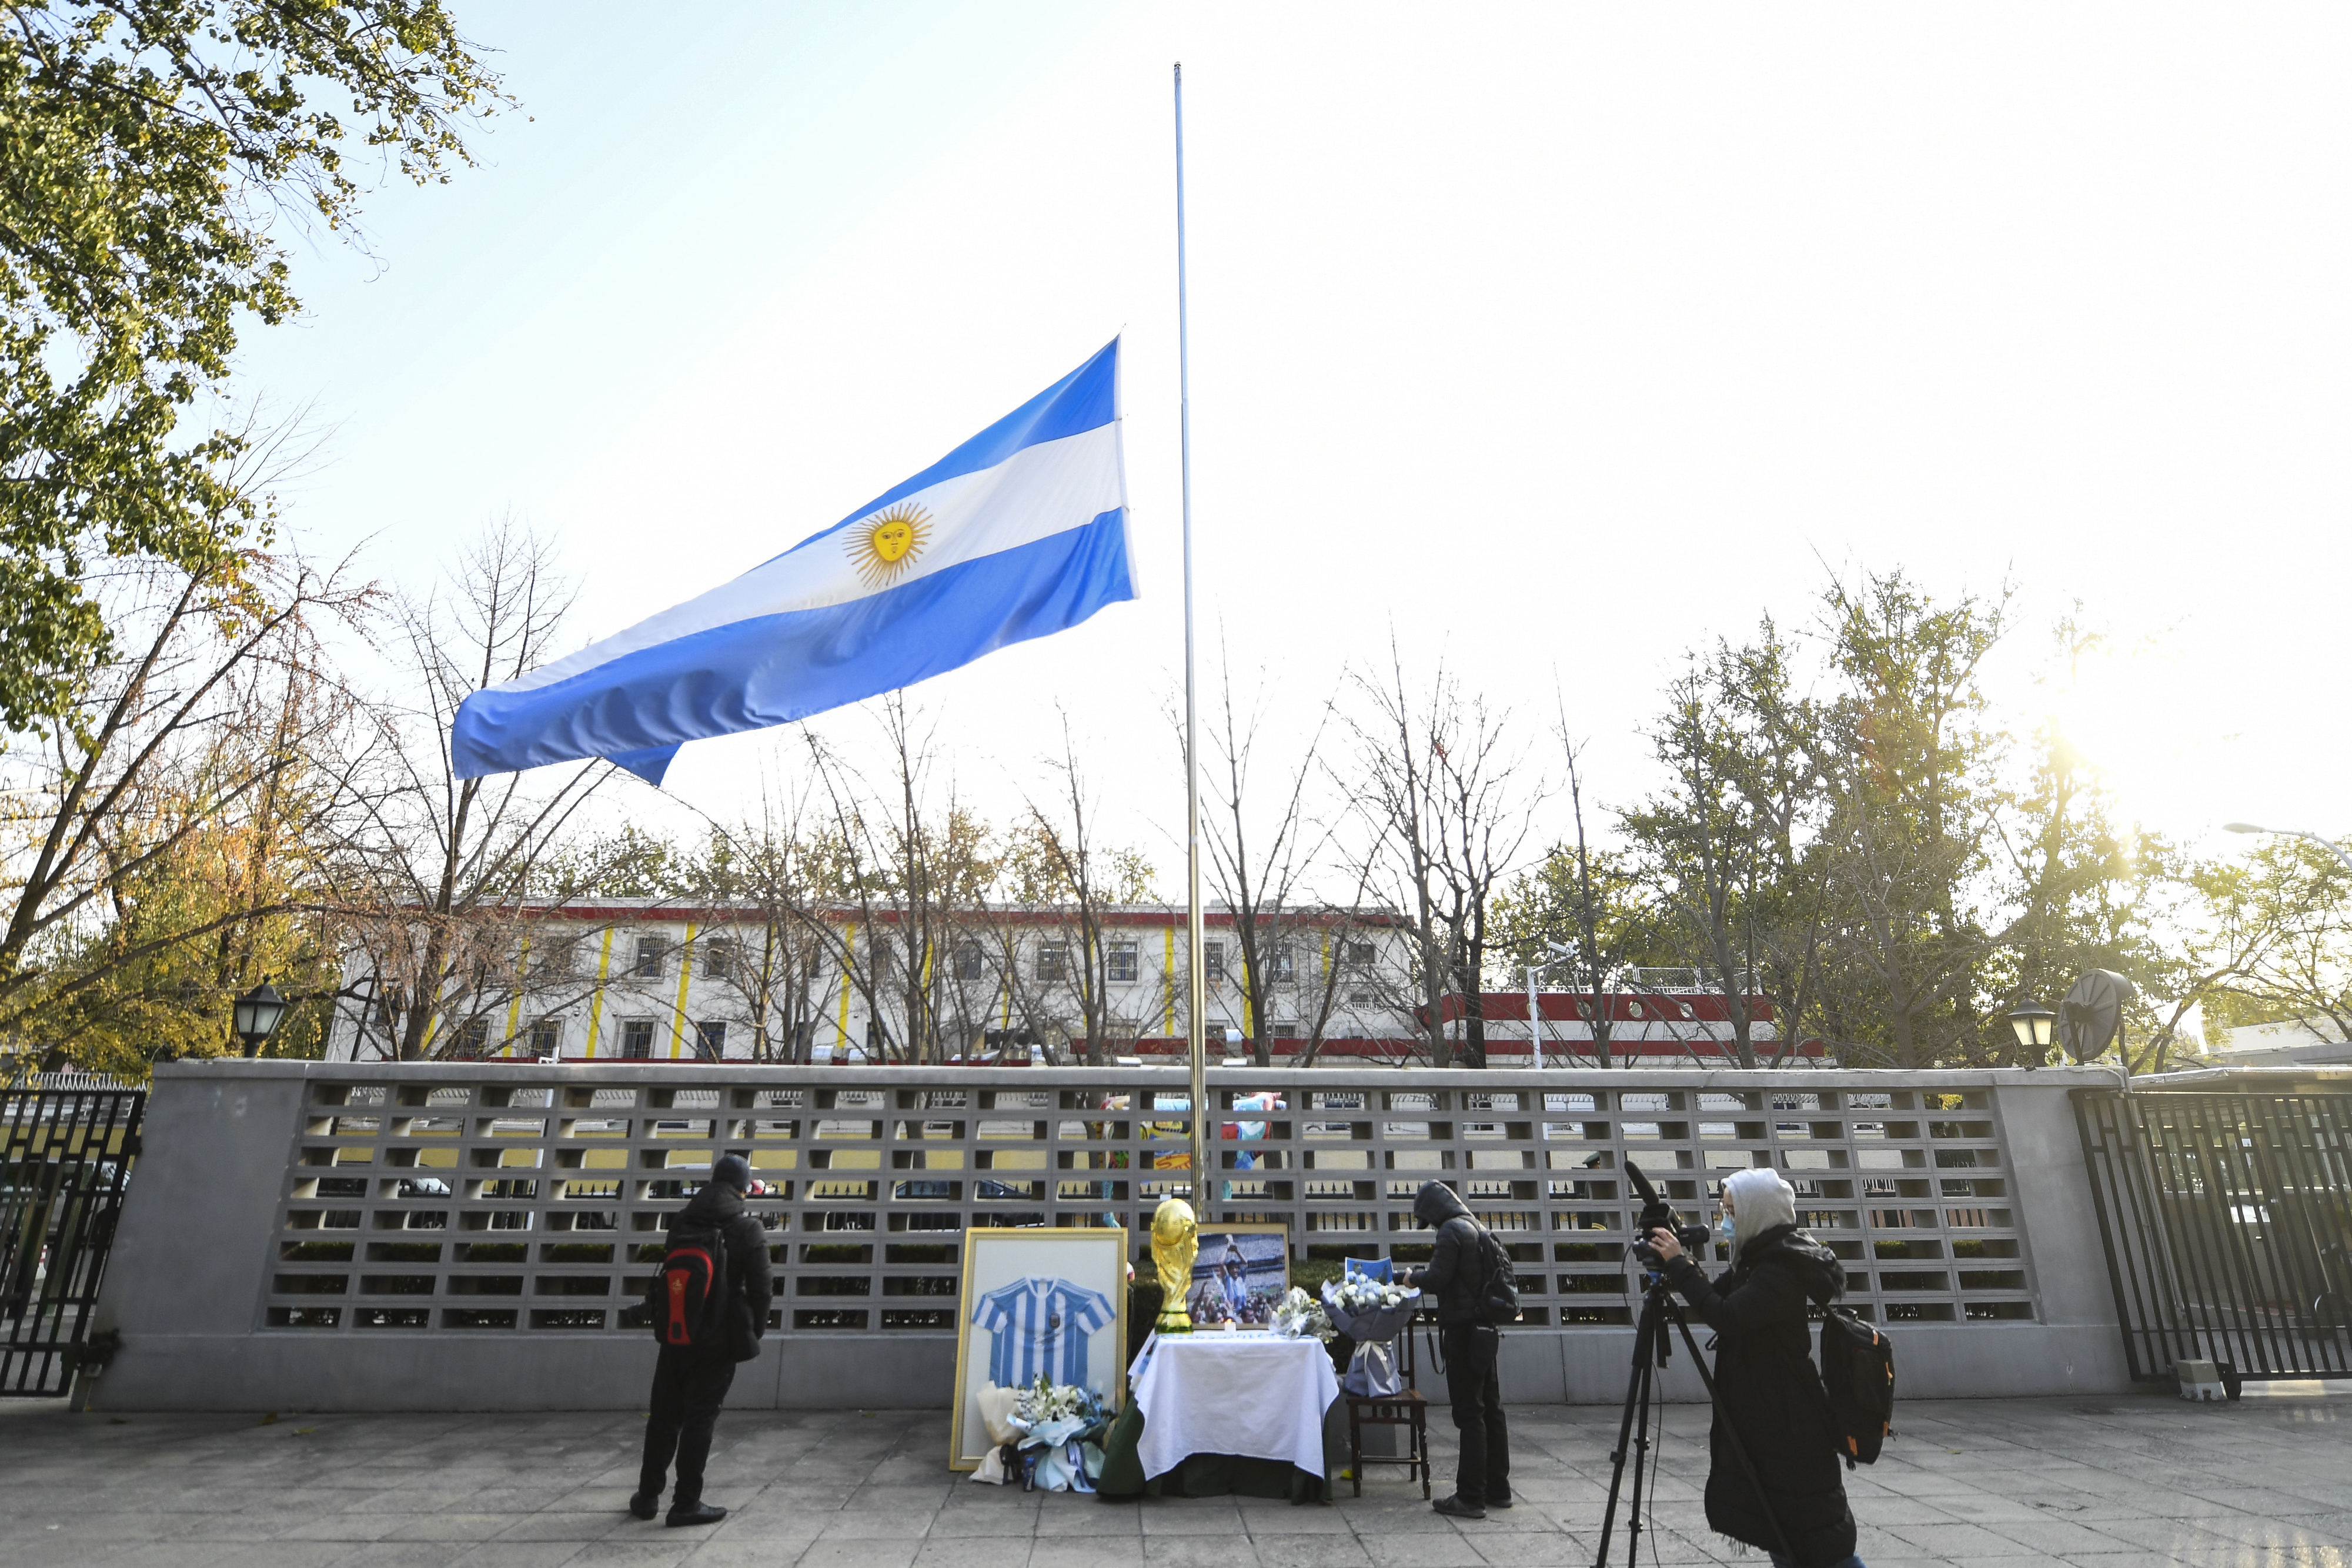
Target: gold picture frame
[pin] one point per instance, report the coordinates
(1091, 1259)
(1211, 1260)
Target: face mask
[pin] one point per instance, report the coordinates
(1724, 1226)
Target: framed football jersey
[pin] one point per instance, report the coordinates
(1038, 1303)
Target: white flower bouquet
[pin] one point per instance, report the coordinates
(1299, 1315)
(1372, 1313)
(1055, 1442)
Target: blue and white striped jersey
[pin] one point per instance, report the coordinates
(1041, 1325)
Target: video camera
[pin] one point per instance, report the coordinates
(1657, 1215)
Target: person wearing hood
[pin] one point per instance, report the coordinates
(1459, 1266)
(690, 1382)
(1767, 1390)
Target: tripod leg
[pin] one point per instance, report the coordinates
(1636, 1389)
(1738, 1448)
(1640, 1463)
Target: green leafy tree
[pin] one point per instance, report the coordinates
(153, 156)
(1910, 763)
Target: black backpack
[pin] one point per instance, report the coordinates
(1498, 1302)
(688, 1299)
(1858, 1376)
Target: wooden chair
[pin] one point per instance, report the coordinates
(1407, 1410)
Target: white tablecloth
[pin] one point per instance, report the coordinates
(1257, 1394)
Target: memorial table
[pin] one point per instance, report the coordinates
(1216, 1412)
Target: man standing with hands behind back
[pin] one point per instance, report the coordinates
(690, 1381)
(1460, 1266)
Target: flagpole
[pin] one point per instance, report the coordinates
(1195, 980)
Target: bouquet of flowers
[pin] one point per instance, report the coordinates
(1362, 1293)
(1372, 1313)
(1299, 1315)
(1050, 1437)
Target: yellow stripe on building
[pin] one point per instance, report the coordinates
(848, 957)
(685, 968)
(596, 997)
(522, 967)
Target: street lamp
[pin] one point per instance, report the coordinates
(1535, 1017)
(2333, 847)
(2032, 1024)
(257, 1014)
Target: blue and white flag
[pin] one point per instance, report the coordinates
(1018, 532)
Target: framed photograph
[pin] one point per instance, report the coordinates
(1051, 1301)
(1239, 1275)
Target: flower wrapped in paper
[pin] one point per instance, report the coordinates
(1372, 1313)
(1050, 1436)
(1300, 1316)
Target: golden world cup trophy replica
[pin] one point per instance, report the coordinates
(1175, 1240)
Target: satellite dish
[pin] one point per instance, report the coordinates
(2093, 1012)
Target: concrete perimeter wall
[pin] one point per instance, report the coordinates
(473, 1236)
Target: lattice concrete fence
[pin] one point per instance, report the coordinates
(469, 1236)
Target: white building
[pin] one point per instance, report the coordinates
(652, 979)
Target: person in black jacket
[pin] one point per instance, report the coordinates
(1769, 1391)
(1459, 1266)
(690, 1383)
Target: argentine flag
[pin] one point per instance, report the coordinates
(1018, 532)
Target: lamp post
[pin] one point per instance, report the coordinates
(2032, 1024)
(1535, 1018)
(2332, 846)
(256, 1015)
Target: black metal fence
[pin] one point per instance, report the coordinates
(64, 1155)
(2226, 1220)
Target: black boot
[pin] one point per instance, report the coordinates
(694, 1513)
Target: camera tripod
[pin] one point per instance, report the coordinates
(1651, 1348)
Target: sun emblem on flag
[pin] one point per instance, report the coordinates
(885, 544)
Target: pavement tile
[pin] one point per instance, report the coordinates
(519, 1554)
(2073, 1483)
(842, 1552)
(1233, 1551)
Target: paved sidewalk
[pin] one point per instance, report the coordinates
(2103, 1483)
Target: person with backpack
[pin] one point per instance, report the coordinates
(710, 1307)
(1766, 1389)
(1469, 1275)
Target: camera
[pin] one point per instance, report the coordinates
(1657, 1215)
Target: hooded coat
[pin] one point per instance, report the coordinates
(1456, 1275)
(1771, 1396)
(719, 1208)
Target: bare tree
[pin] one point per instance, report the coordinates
(1439, 783)
(456, 860)
(1265, 853)
(1061, 861)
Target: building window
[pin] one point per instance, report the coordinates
(1286, 1031)
(1122, 960)
(1054, 961)
(554, 957)
(1356, 955)
(719, 959)
(1360, 999)
(652, 959)
(878, 962)
(710, 1040)
(1212, 960)
(969, 964)
(1282, 966)
(547, 1038)
(637, 1039)
(472, 1036)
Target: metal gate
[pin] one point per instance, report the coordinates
(65, 1155)
(2226, 1220)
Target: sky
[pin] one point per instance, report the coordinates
(1550, 341)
